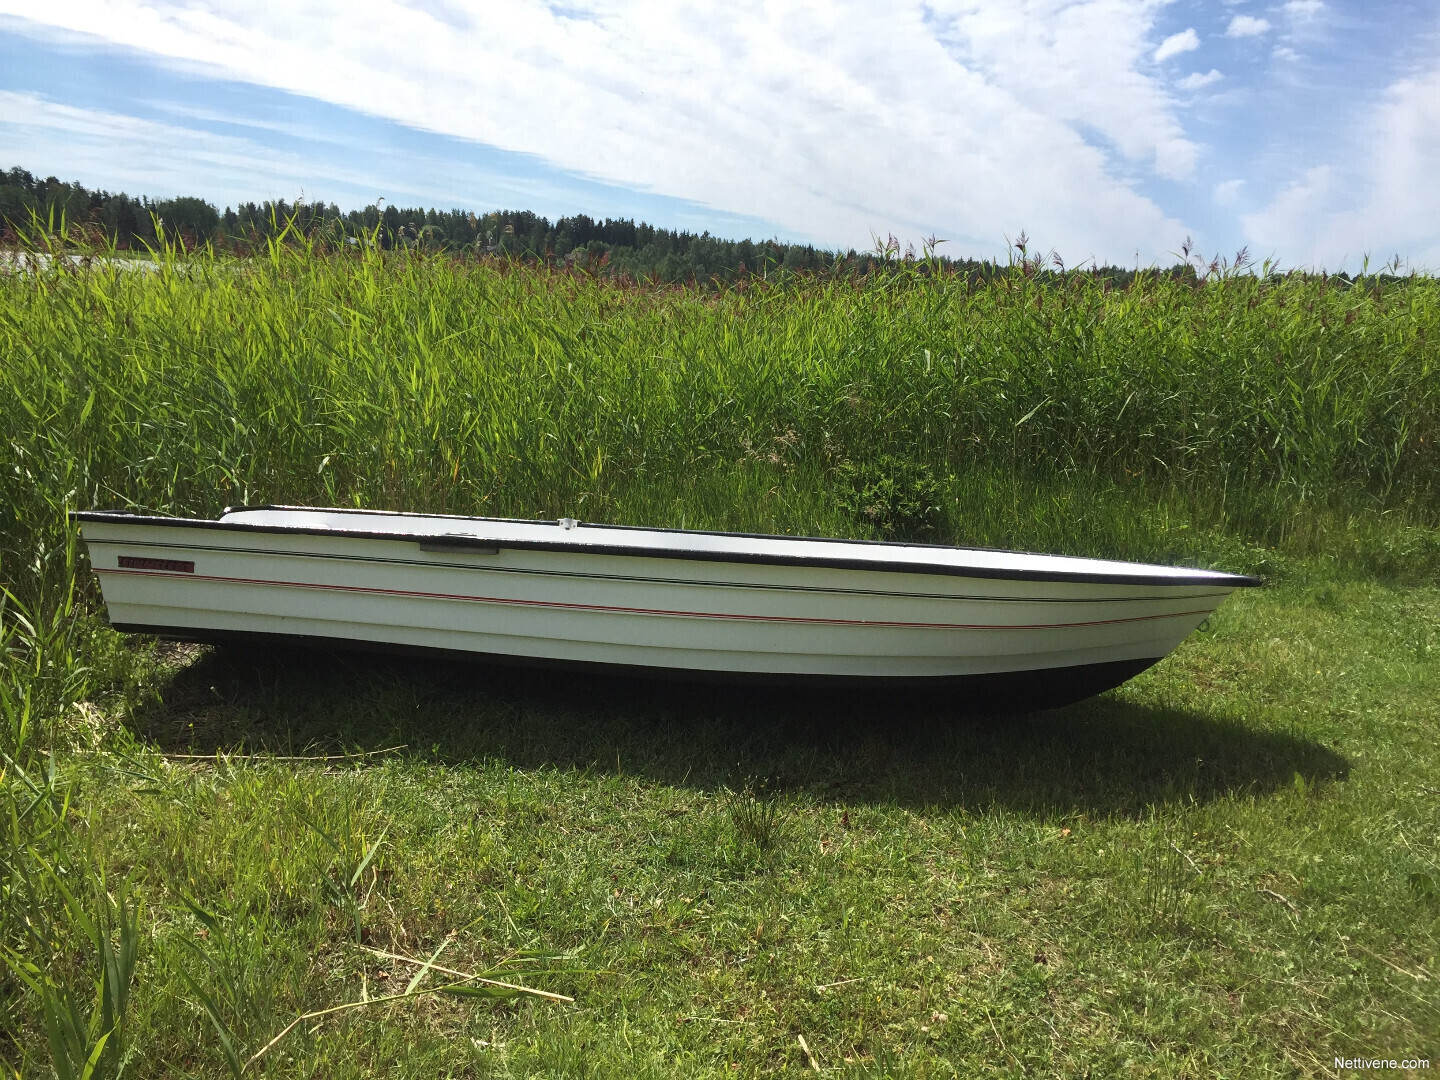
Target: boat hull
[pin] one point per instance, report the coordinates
(1010, 691)
(658, 614)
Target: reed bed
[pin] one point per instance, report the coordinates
(1248, 405)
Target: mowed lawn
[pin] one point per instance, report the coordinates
(1230, 867)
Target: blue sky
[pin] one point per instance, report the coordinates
(1307, 130)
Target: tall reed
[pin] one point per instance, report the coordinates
(419, 382)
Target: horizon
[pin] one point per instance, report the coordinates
(234, 216)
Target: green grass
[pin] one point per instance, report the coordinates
(1207, 873)
(1229, 867)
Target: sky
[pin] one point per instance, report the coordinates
(1307, 131)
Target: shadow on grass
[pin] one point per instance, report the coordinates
(1105, 756)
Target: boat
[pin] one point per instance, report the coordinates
(1017, 628)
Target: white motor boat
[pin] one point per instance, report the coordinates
(1016, 629)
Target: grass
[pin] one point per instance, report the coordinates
(1208, 872)
(1227, 867)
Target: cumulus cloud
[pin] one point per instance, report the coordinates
(1196, 80)
(1175, 44)
(968, 118)
(1304, 9)
(1247, 26)
(1083, 65)
(1227, 192)
(1377, 196)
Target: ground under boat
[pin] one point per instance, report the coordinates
(991, 627)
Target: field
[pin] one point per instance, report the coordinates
(1230, 866)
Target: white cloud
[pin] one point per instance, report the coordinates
(1227, 192)
(107, 149)
(1196, 80)
(1084, 66)
(1175, 44)
(1247, 26)
(114, 150)
(1304, 9)
(963, 117)
(1377, 196)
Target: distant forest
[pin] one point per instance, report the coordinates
(617, 247)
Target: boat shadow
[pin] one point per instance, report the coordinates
(1108, 755)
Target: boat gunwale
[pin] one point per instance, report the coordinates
(1213, 578)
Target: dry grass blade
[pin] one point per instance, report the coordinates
(1390, 963)
(1289, 904)
(483, 980)
(843, 982)
(287, 758)
(808, 1055)
(459, 985)
(1186, 856)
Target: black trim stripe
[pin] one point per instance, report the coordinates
(1209, 579)
(491, 568)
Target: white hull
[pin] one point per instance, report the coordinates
(694, 602)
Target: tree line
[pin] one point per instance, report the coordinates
(618, 247)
